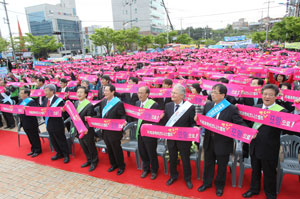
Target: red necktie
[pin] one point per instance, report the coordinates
(48, 103)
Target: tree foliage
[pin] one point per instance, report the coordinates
(145, 41)
(3, 44)
(41, 46)
(103, 37)
(184, 39)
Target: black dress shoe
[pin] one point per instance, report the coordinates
(35, 154)
(11, 127)
(249, 194)
(93, 167)
(30, 153)
(171, 181)
(57, 156)
(219, 192)
(66, 159)
(85, 164)
(144, 174)
(120, 171)
(203, 188)
(7, 127)
(153, 176)
(112, 169)
(189, 184)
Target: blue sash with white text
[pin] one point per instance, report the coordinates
(55, 104)
(218, 108)
(109, 105)
(26, 101)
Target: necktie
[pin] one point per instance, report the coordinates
(266, 108)
(177, 107)
(142, 105)
(48, 103)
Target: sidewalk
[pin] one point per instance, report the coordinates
(24, 179)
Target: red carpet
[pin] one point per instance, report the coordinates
(9, 147)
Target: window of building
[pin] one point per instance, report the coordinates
(135, 10)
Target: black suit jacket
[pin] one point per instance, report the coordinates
(67, 89)
(154, 106)
(87, 111)
(116, 112)
(267, 142)
(28, 122)
(222, 145)
(100, 93)
(249, 101)
(125, 97)
(162, 102)
(55, 123)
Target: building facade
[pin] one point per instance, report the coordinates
(293, 7)
(88, 44)
(148, 15)
(60, 20)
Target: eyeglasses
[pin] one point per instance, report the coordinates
(268, 94)
(214, 92)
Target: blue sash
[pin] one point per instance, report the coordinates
(218, 108)
(26, 101)
(55, 104)
(109, 105)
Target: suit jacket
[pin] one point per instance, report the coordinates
(67, 89)
(100, 93)
(267, 142)
(154, 106)
(249, 101)
(28, 122)
(125, 97)
(186, 120)
(116, 112)
(55, 123)
(87, 111)
(162, 102)
(222, 145)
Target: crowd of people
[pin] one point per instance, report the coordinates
(184, 72)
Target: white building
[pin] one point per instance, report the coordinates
(148, 15)
(88, 44)
(60, 20)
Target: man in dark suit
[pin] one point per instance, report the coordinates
(55, 125)
(186, 120)
(167, 83)
(218, 147)
(130, 98)
(112, 139)
(264, 148)
(87, 142)
(41, 85)
(256, 82)
(105, 80)
(147, 145)
(30, 124)
(63, 86)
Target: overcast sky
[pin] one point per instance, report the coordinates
(196, 13)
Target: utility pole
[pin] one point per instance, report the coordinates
(181, 25)
(10, 35)
(268, 18)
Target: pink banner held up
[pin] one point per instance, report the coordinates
(127, 88)
(171, 133)
(196, 99)
(37, 93)
(160, 92)
(17, 109)
(290, 95)
(43, 111)
(227, 129)
(251, 92)
(82, 130)
(277, 119)
(152, 115)
(106, 124)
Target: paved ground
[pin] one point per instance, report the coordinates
(23, 179)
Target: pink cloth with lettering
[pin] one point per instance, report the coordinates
(43, 111)
(17, 109)
(227, 129)
(290, 95)
(277, 119)
(160, 92)
(37, 93)
(152, 115)
(196, 99)
(251, 92)
(171, 133)
(79, 125)
(106, 124)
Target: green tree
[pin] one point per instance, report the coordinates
(184, 39)
(131, 37)
(287, 30)
(258, 37)
(103, 37)
(41, 46)
(161, 39)
(210, 42)
(145, 41)
(3, 44)
(172, 36)
(20, 44)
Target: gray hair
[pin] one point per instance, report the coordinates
(85, 81)
(180, 88)
(51, 87)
